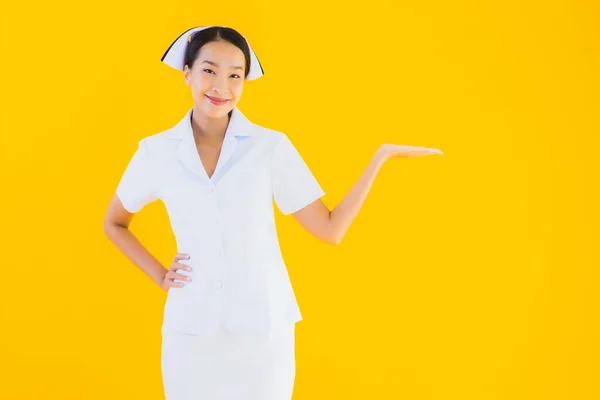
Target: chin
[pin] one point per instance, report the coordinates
(213, 111)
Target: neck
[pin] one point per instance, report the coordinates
(208, 130)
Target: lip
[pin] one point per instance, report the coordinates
(216, 101)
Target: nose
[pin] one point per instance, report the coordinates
(220, 85)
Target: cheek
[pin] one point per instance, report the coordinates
(201, 86)
(237, 88)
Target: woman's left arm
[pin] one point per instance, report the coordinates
(331, 226)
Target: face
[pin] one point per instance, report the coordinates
(217, 78)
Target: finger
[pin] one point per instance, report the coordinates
(421, 151)
(177, 266)
(172, 284)
(431, 150)
(424, 152)
(170, 277)
(181, 277)
(181, 256)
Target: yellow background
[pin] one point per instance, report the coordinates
(472, 275)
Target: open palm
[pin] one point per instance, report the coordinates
(394, 150)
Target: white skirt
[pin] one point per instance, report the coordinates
(229, 366)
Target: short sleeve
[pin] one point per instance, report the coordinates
(136, 187)
(294, 185)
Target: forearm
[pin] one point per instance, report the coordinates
(343, 214)
(128, 243)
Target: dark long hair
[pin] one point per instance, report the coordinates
(216, 33)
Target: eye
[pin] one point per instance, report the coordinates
(236, 76)
(208, 70)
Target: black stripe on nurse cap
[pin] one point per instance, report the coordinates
(174, 55)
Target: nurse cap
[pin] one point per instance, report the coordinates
(175, 54)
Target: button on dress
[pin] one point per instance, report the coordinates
(229, 333)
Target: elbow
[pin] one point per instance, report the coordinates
(334, 236)
(106, 225)
(108, 228)
(334, 240)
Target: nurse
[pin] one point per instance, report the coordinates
(230, 312)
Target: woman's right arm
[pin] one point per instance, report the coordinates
(116, 227)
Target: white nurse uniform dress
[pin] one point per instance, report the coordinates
(229, 333)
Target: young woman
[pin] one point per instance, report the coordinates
(230, 313)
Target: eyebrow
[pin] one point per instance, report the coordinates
(216, 65)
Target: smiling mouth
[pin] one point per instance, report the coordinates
(216, 100)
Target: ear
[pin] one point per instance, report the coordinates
(186, 75)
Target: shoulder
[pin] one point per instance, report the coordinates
(271, 137)
(276, 140)
(160, 138)
(159, 144)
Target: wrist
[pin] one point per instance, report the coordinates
(158, 278)
(380, 157)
